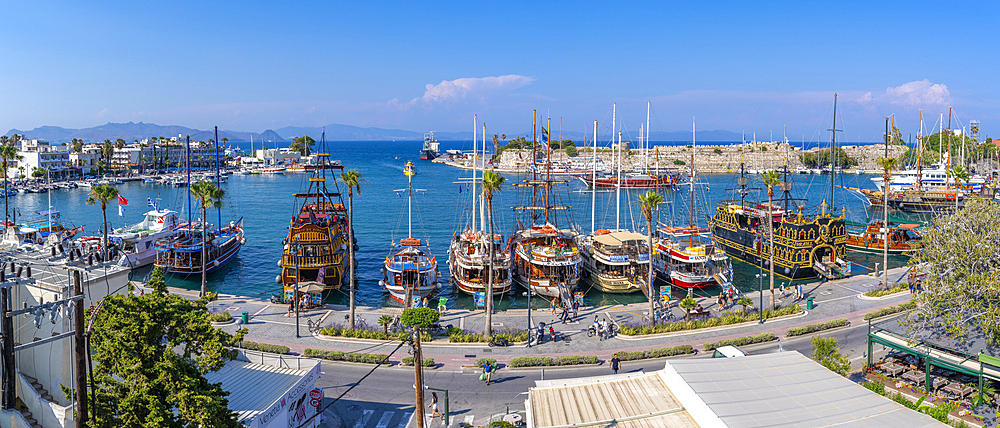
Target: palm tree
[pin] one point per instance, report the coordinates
(492, 183)
(8, 152)
(352, 179)
(649, 202)
(887, 164)
(207, 194)
(103, 193)
(744, 301)
(961, 175)
(771, 179)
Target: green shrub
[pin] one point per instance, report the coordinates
(812, 328)
(408, 361)
(264, 347)
(882, 292)
(717, 151)
(354, 357)
(878, 313)
(655, 353)
(741, 341)
(220, 317)
(565, 360)
(483, 361)
(729, 318)
(371, 333)
(679, 162)
(876, 387)
(419, 317)
(464, 336)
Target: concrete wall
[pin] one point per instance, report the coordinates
(12, 419)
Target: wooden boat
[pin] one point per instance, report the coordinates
(315, 248)
(137, 242)
(903, 238)
(615, 262)
(410, 272)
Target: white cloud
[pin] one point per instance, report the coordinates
(465, 88)
(919, 93)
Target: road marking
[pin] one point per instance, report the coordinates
(324, 317)
(469, 419)
(261, 310)
(451, 421)
(405, 422)
(384, 421)
(364, 419)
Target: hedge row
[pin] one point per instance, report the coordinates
(354, 357)
(656, 353)
(220, 317)
(408, 361)
(465, 336)
(371, 333)
(728, 319)
(483, 360)
(264, 347)
(891, 310)
(812, 328)
(741, 341)
(565, 360)
(885, 292)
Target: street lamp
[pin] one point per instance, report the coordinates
(529, 293)
(760, 284)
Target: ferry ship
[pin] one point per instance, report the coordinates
(410, 272)
(431, 149)
(315, 248)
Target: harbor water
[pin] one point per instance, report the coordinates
(441, 208)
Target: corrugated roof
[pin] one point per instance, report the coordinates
(631, 401)
(784, 389)
(254, 387)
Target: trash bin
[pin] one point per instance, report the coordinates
(246, 316)
(809, 304)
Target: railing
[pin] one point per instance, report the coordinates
(276, 360)
(308, 262)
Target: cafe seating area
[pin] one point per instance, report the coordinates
(909, 370)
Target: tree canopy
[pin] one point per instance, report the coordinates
(419, 317)
(151, 353)
(822, 158)
(961, 256)
(303, 145)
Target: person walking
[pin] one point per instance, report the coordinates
(614, 363)
(565, 315)
(576, 308)
(720, 302)
(434, 406)
(291, 308)
(487, 372)
(798, 290)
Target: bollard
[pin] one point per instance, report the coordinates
(53, 251)
(29, 271)
(19, 270)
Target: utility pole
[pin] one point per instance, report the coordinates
(7, 323)
(80, 353)
(419, 376)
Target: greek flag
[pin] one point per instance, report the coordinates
(149, 201)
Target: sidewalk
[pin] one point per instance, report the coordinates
(268, 324)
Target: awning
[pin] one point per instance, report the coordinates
(310, 287)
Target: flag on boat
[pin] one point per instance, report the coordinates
(149, 201)
(545, 135)
(122, 200)
(121, 210)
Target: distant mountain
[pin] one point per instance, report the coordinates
(334, 132)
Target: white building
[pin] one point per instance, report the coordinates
(40, 154)
(282, 156)
(86, 160)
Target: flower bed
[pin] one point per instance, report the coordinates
(891, 310)
(264, 347)
(465, 336)
(354, 357)
(812, 328)
(408, 361)
(565, 360)
(220, 317)
(633, 329)
(741, 341)
(885, 292)
(656, 353)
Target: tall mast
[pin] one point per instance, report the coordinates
(833, 152)
(691, 182)
(949, 143)
(548, 168)
(534, 173)
(475, 147)
(409, 203)
(482, 201)
(618, 167)
(187, 161)
(593, 182)
(920, 149)
(646, 139)
(940, 142)
(217, 182)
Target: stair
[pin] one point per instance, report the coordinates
(19, 405)
(42, 392)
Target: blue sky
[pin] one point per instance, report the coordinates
(738, 66)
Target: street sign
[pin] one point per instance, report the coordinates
(314, 402)
(315, 393)
(480, 299)
(578, 297)
(665, 293)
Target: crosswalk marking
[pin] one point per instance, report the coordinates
(405, 422)
(451, 421)
(384, 421)
(469, 419)
(364, 419)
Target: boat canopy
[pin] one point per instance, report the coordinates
(618, 238)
